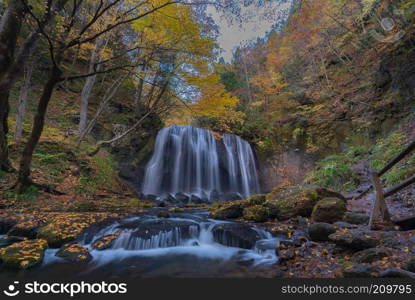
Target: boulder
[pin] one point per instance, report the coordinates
(319, 232)
(299, 200)
(105, 242)
(235, 235)
(370, 255)
(256, 213)
(23, 255)
(25, 229)
(356, 218)
(181, 197)
(229, 211)
(355, 240)
(75, 253)
(329, 210)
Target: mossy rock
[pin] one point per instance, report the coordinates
(256, 213)
(74, 253)
(105, 242)
(329, 210)
(299, 200)
(229, 211)
(256, 199)
(24, 255)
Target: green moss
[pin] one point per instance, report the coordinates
(83, 206)
(24, 255)
(256, 213)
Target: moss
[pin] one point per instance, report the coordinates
(83, 206)
(256, 213)
(176, 210)
(329, 210)
(25, 254)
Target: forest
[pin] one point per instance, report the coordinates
(128, 138)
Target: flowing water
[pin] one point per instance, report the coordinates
(191, 162)
(184, 245)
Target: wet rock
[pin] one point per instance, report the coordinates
(25, 229)
(319, 232)
(23, 255)
(151, 198)
(147, 229)
(356, 218)
(232, 197)
(236, 235)
(195, 199)
(299, 200)
(9, 240)
(231, 211)
(370, 255)
(181, 197)
(358, 271)
(329, 210)
(6, 224)
(74, 253)
(105, 242)
(410, 265)
(256, 213)
(356, 240)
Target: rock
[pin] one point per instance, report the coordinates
(273, 210)
(163, 214)
(195, 199)
(150, 228)
(370, 255)
(6, 224)
(407, 223)
(410, 265)
(329, 210)
(341, 224)
(319, 232)
(256, 199)
(75, 253)
(9, 240)
(235, 235)
(23, 255)
(232, 196)
(357, 240)
(105, 242)
(230, 211)
(25, 229)
(181, 197)
(356, 218)
(256, 213)
(299, 200)
(358, 271)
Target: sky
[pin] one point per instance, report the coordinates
(260, 21)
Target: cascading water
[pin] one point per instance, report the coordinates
(192, 162)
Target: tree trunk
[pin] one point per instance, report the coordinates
(10, 25)
(38, 124)
(23, 99)
(89, 84)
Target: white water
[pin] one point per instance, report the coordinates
(199, 243)
(190, 161)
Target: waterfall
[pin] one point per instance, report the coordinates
(191, 163)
